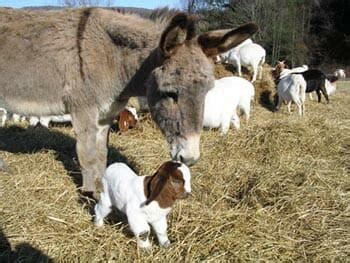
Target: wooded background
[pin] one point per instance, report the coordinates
(313, 32)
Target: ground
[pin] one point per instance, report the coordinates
(276, 190)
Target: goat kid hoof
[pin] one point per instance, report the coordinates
(98, 223)
(166, 244)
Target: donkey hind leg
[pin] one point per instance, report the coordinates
(91, 149)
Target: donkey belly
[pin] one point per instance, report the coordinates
(30, 92)
(36, 56)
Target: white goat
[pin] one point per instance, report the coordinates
(330, 87)
(290, 89)
(222, 102)
(287, 71)
(33, 120)
(232, 54)
(144, 199)
(45, 120)
(340, 73)
(248, 55)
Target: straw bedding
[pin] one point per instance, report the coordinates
(276, 190)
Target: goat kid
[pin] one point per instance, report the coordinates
(222, 102)
(144, 199)
(127, 119)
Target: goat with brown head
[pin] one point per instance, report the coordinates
(144, 199)
(127, 119)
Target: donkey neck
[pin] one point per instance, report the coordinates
(140, 72)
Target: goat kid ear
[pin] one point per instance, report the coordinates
(180, 29)
(123, 123)
(219, 41)
(157, 186)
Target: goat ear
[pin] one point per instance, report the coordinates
(157, 184)
(123, 123)
(219, 41)
(180, 29)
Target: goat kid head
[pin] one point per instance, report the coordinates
(127, 119)
(170, 182)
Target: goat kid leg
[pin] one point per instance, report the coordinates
(279, 103)
(300, 107)
(310, 96)
(302, 100)
(260, 71)
(235, 120)
(246, 112)
(102, 208)
(324, 92)
(160, 227)
(225, 125)
(255, 72)
(288, 106)
(239, 68)
(318, 96)
(140, 228)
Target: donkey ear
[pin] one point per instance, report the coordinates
(219, 41)
(180, 29)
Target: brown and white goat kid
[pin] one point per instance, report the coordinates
(127, 119)
(144, 199)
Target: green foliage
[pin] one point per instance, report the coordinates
(299, 31)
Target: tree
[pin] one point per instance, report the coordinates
(76, 3)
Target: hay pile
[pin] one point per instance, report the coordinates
(277, 190)
(265, 88)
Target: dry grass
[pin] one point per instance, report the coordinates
(277, 190)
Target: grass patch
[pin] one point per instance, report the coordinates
(276, 190)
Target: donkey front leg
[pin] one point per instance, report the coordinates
(91, 149)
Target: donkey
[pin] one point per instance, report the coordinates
(88, 62)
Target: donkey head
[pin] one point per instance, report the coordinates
(176, 89)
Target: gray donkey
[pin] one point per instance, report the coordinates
(89, 62)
